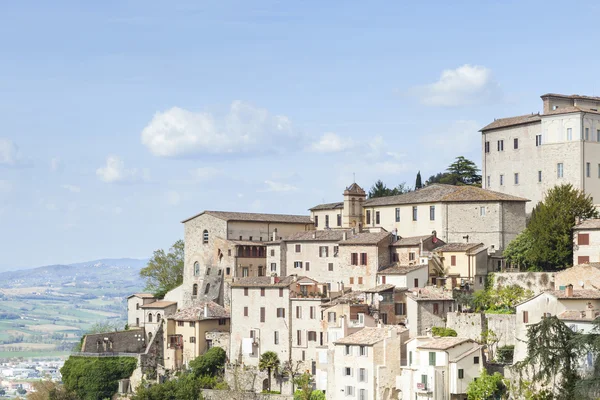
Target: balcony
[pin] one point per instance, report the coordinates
(175, 342)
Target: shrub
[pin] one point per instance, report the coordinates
(210, 363)
(443, 332)
(94, 378)
(505, 354)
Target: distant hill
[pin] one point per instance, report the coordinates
(124, 270)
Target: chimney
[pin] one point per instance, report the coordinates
(569, 290)
(274, 235)
(273, 279)
(345, 235)
(205, 310)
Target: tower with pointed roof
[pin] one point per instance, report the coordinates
(354, 198)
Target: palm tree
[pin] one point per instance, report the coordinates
(270, 361)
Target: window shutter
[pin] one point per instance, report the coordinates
(583, 239)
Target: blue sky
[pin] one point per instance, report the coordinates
(121, 118)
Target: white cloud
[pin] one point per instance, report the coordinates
(331, 143)
(245, 128)
(71, 188)
(205, 173)
(279, 187)
(115, 172)
(468, 84)
(460, 136)
(9, 153)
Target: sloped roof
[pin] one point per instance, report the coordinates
(571, 96)
(441, 193)
(369, 336)
(254, 217)
(326, 235)
(354, 188)
(263, 281)
(576, 315)
(142, 295)
(571, 109)
(350, 297)
(444, 343)
(196, 313)
(398, 269)
(512, 121)
(593, 223)
(366, 238)
(429, 293)
(159, 304)
(380, 288)
(457, 247)
(411, 240)
(578, 294)
(328, 206)
(467, 353)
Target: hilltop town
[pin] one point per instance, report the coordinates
(364, 295)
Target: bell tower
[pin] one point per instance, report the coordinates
(354, 198)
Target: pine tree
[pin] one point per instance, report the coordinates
(418, 183)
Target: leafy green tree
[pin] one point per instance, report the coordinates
(92, 378)
(418, 183)
(305, 390)
(164, 270)
(547, 242)
(466, 171)
(379, 189)
(185, 387)
(210, 363)
(443, 332)
(552, 357)
(487, 387)
(269, 361)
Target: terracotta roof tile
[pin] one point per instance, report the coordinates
(380, 288)
(512, 121)
(575, 315)
(397, 269)
(369, 336)
(328, 206)
(142, 295)
(159, 304)
(593, 223)
(449, 247)
(326, 235)
(429, 293)
(411, 240)
(444, 343)
(196, 313)
(253, 217)
(581, 294)
(366, 238)
(263, 281)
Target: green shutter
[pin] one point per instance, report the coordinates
(424, 380)
(432, 358)
(410, 358)
(461, 373)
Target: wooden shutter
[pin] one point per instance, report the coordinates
(583, 239)
(525, 317)
(583, 259)
(453, 260)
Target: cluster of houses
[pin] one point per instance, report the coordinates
(351, 292)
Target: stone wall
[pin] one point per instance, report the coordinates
(131, 341)
(219, 339)
(469, 325)
(228, 395)
(472, 325)
(245, 378)
(504, 326)
(534, 281)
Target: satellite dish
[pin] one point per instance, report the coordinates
(380, 298)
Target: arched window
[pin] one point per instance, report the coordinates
(207, 288)
(158, 317)
(195, 289)
(149, 317)
(205, 236)
(196, 268)
(149, 336)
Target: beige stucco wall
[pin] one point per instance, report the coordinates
(319, 266)
(322, 217)
(377, 256)
(406, 280)
(592, 250)
(135, 314)
(262, 231)
(407, 227)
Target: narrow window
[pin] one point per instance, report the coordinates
(540, 176)
(207, 288)
(347, 350)
(598, 135)
(245, 311)
(339, 220)
(262, 292)
(587, 133)
(559, 170)
(414, 213)
(360, 280)
(316, 220)
(500, 145)
(299, 337)
(330, 267)
(516, 178)
(475, 360)
(432, 213)
(538, 140)
(262, 314)
(307, 265)
(272, 252)
(588, 170)
(453, 261)
(488, 181)
(482, 211)
(276, 337)
(195, 289)
(245, 291)
(525, 317)
(327, 221)
(368, 217)
(298, 248)
(397, 215)
(273, 267)
(436, 308)
(298, 312)
(501, 180)
(432, 358)
(377, 220)
(516, 143)
(416, 282)
(461, 373)
(205, 237)
(487, 147)
(411, 256)
(351, 280)
(569, 134)
(363, 258)
(196, 268)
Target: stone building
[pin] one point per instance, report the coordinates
(459, 265)
(364, 364)
(454, 213)
(135, 314)
(527, 155)
(220, 246)
(276, 314)
(552, 303)
(583, 276)
(427, 307)
(186, 333)
(155, 314)
(586, 242)
(415, 249)
(440, 367)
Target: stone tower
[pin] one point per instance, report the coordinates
(354, 198)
